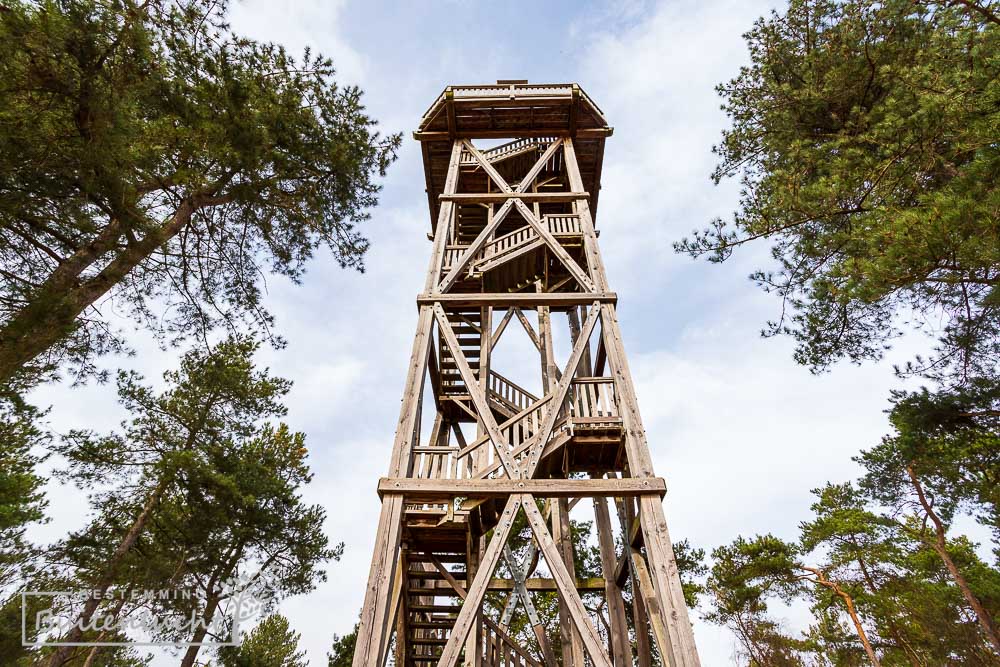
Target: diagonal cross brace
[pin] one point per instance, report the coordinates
(559, 393)
(520, 573)
(578, 273)
(475, 247)
(480, 583)
(478, 394)
(565, 582)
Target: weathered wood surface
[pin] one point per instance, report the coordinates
(514, 231)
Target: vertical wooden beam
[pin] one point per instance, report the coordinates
(620, 644)
(373, 627)
(446, 221)
(594, 262)
(573, 315)
(565, 579)
(640, 619)
(473, 602)
(562, 535)
(659, 550)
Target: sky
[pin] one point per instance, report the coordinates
(740, 432)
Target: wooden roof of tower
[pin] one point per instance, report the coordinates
(512, 109)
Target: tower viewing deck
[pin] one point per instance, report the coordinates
(490, 462)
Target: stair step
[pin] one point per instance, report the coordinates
(416, 574)
(431, 625)
(436, 608)
(436, 592)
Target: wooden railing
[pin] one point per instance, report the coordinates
(439, 463)
(500, 649)
(592, 399)
(507, 243)
(563, 224)
(481, 457)
(515, 396)
(559, 225)
(502, 151)
(451, 255)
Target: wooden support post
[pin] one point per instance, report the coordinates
(436, 491)
(373, 627)
(663, 567)
(562, 572)
(620, 644)
(571, 641)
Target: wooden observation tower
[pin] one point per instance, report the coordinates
(485, 472)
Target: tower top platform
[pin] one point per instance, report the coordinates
(527, 113)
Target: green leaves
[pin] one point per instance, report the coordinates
(150, 155)
(864, 136)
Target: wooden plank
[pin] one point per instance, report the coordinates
(545, 585)
(440, 490)
(482, 133)
(522, 299)
(565, 581)
(496, 197)
(480, 583)
(574, 269)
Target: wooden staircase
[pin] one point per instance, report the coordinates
(467, 324)
(432, 605)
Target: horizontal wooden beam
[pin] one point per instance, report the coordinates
(438, 490)
(462, 133)
(432, 585)
(520, 299)
(492, 197)
(534, 584)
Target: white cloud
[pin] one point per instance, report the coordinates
(739, 431)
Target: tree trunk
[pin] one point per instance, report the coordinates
(822, 580)
(852, 612)
(51, 313)
(940, 546)
(63, 653)
(213, 598)
(199, 635)
(908, 651)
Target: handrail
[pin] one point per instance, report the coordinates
(506, 643)
(592, 397)
(510, 392)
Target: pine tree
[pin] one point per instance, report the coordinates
(864, 135)
(195, 490)
(150, 155)
(271, 644)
